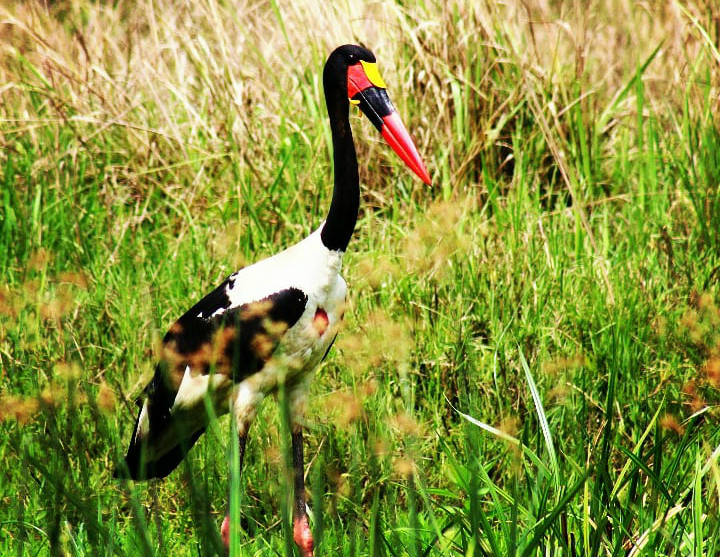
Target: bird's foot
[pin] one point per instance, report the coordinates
(303, 536)
(225, 531)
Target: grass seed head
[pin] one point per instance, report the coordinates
(39, 259)
(380, 448)
(559, 392)
(510, 425)
(660, 326)
(56, 308)
(346, 407)
(275, 329)
(432, 243)
(712, 371)
(67, 371)
(20, 409)
(256, 310)
(561, 364)
(106, 399)
(403, 467)
(74, 278)
(693, 395)
(701, 323)
(273, 455)
(262, 345)
(668, 421)
(7, 307)
(378, 269)
(380, 341)
(406, 425)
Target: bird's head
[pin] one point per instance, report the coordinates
(355, 69)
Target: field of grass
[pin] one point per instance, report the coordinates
(530, 363)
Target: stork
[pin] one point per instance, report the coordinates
(269, 324)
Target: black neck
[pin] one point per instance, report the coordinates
(343, 213)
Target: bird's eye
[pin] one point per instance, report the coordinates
(352, 58)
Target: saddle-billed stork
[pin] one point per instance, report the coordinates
(273, 322)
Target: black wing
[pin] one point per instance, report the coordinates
(237, 341)
(209, 337)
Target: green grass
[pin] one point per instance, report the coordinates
(530, 362)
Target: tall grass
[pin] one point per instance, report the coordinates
(531, 358)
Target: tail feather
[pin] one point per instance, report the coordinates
(137, 466)
(156, 448)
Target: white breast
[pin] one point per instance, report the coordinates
(308, 266)
(315, 270)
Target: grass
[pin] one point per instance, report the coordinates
(531, 360)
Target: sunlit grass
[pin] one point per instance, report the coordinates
(530, 361)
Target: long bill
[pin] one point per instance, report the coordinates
(367, 90)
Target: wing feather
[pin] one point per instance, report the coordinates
(210, 337)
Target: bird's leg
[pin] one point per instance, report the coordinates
(225, 528)
(247, 399)
(301, 528)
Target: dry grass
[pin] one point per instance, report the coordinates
(187, 85)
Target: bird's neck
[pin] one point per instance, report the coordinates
(341, 218)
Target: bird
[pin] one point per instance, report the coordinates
(270, 324)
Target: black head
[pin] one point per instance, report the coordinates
(335, 73)
(350, 54)
(351, 76)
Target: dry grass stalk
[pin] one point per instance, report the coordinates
(183, 79)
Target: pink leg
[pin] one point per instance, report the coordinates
(303, 536)
(301, 528)
(225, 528)
(225, 531)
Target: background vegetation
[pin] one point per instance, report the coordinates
(531, 360)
